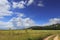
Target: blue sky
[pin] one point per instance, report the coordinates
(40, 11)
(42, 14)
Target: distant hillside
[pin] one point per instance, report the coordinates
(51, 27)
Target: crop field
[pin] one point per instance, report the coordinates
(27, 34)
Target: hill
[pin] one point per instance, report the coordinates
(50, 27)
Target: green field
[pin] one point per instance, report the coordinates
(26, 34)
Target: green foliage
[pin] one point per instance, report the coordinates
(50, 27)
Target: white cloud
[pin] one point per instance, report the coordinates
(14, 4)
(20, 4)
(30, 2)
(55, 20)
(4, 8)
(6, 25)
(52, 21)
(18, 22)
(28, 22)
(41, 4)
(20, 15)
(23, 4)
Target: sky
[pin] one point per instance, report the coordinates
(26, 13)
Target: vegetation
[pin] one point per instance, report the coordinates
(32, 33)
(26, 34)
(51, 27)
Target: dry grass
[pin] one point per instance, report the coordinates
(25, 35)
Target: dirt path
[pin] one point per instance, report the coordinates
(56, 38)
(48, 37)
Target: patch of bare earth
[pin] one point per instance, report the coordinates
(47, 38)
(56, 38)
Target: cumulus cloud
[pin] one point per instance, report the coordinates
(28, 22)
(6, 25)
(52, 21)
(4, 8)
(22, 4)
(18, 22)
(30, 2)
(55, 20)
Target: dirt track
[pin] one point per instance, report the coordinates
(48, 37)
(55, 38)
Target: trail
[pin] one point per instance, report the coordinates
(52, 36)
(56, 38)
(48, 37)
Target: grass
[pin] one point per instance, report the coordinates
(52, 37)
(59, 37)
(26, 34)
